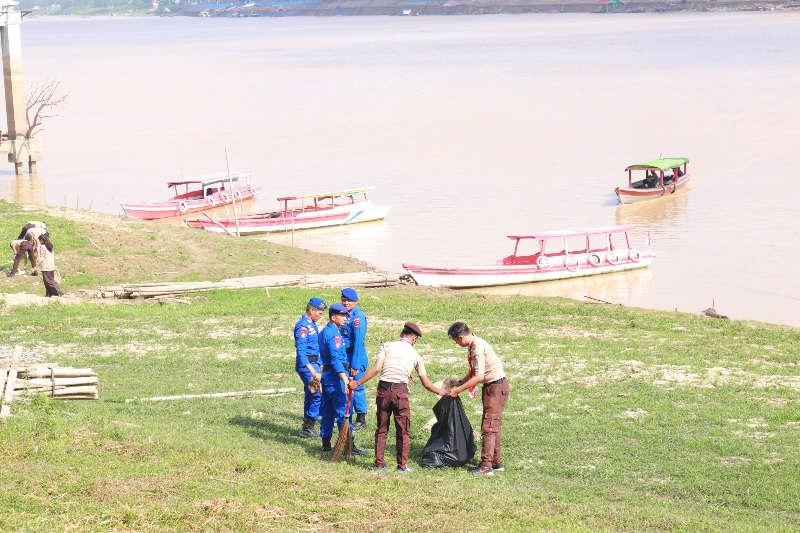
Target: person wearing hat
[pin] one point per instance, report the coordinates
(335, 376)
(306, 344)
(484, 367)
(395, 362)
(354, 333)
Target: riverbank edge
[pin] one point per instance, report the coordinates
(132, 261)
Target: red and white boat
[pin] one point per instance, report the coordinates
(654, 179)
(196, 194)
(304, 212)
(553, 255)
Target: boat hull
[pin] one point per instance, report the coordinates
(173, 208)
(263, 223)
(494, 275)
(629, 195)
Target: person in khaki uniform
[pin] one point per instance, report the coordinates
(395, 361)
(484, 367)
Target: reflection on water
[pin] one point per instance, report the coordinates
(25, 189)
(354, 240)
(413, 107)
(655, 214)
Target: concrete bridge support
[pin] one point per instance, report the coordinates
(14, 143)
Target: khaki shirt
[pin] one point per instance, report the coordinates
(47, 259)
(485, 361)
(35, 233)
(400, 358)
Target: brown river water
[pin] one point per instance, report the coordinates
(471, 127)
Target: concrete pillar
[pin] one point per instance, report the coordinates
(12, 69)
(18, 148)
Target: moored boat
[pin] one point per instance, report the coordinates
(654, 179)
(302, 212)
(553, 255)
(196, 194)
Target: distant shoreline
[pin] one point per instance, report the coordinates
(452, 7)
(480, 7)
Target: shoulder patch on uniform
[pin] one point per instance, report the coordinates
(303, 332)
(356, 322)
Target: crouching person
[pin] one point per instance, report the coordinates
(395, 361)
(23, 248)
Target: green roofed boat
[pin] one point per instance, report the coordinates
(654, 179)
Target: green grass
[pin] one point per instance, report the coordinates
(618, 420)
(94, 250)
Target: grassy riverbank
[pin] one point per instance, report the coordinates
(619, 419)
(94, 249)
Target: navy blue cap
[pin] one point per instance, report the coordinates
(350, 294)
(319, 303)
(336, 309)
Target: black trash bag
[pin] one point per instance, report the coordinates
(452, 442)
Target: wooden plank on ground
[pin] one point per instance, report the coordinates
(12, 377)
(263, 392)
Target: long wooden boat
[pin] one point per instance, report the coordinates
(552, 255)
(196, 194)
(654, 179)
(302, 212)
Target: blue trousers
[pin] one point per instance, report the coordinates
(311, 400)
(334, 403)
(359, 397)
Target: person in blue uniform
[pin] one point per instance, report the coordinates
(354, 333)
(307, 365)
(335, 376)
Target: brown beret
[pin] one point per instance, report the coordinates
(414, 328)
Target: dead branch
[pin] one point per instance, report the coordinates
(43, 98)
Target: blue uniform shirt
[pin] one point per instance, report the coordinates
(306, 341)
(354, 333)
(331, 348)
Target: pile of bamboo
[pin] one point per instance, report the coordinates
(154, 290)
(63, 383)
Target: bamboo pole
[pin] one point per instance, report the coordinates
(356, 279)
(58, 372)
(56, 382)
(12, 376)
(217, 223)
(263, 392)
(233, 196)
(69, 391)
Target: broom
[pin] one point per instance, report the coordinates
(344, 444)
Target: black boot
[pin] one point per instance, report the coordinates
(308, 428)
(361, 421)
(326, 445)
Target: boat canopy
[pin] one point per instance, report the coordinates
(546, 235)
(209, 179)
(328, 194)
(660, 164)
